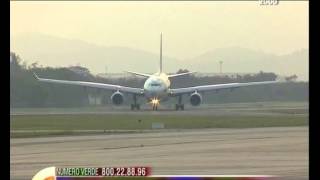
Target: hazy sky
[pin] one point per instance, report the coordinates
(189, 28)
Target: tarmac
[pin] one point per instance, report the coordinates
(280, 151)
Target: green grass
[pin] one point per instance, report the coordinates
(273, 114)
(66, 124)
(130, 122)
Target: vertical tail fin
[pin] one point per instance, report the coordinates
(161, 53)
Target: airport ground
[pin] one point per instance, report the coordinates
(247, 138)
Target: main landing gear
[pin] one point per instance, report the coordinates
(135, 105)
(180, 105)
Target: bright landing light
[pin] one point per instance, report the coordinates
(155, 101)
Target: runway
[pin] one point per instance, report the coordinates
(279, 151)
(247, 109)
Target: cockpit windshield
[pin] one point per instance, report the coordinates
(155, 84)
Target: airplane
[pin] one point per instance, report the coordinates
(156, 88)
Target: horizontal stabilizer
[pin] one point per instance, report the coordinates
(138, 74)
(180, 74)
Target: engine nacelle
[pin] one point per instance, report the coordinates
(195, 99)
(117, 98)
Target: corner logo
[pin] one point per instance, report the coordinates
(46, 174)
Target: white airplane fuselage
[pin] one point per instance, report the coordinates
(157, 86)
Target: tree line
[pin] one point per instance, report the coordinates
(26, 91)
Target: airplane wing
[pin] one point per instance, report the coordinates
(203, 88)
(94, 85)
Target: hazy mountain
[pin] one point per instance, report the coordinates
(55, 51)
(237, 59)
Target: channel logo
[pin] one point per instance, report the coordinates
(48, 173)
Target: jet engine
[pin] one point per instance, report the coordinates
(117, 98)
(195, 99)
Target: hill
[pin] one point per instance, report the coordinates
(57, 52)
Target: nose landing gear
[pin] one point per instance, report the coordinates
(155, 102)
(154, 107)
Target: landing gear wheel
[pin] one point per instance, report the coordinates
(135, 106)
(179, 106)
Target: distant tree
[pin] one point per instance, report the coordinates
(25, 91)
(291, 78)
(33, 65)
(14, 62)
(183, 71)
